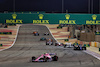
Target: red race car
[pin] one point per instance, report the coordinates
(36, 33)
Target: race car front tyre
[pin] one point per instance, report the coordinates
(55, 58)
(83, 48)
(52, 44)
(33, 58)
(47, 44)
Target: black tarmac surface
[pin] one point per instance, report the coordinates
(28, 45)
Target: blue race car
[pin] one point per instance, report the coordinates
(79, 47)
(42, 39)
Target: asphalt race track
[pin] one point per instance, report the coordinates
(28, 45)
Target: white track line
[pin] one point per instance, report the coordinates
(96, 55)
(14, 40)
(51, 33)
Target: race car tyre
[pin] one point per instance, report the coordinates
(64, 46)
(52, 44)
(47, 44)
(33, 58)
(46, 59)
(55, 44)
(59, 27)
(55, 58)
(78, 48)
(84, 48)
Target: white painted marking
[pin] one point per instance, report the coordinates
(93, 54)
(51, 33)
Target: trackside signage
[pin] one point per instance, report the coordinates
(50, 18)
(67, 21)
(14, 20)
(40, 20)
(93, 21)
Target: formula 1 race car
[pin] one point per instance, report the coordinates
(46, 57)
(60, 26)
(46, 33)
(49, 41)
(42, 39)
(79, 47)
(69, 45)
(36, 33)
(59, 44)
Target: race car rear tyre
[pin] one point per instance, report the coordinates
(75, 48)
(64, 46)
(46, 59)
(52, 44)
(78, 48)
(84, 48)
(55, 58)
